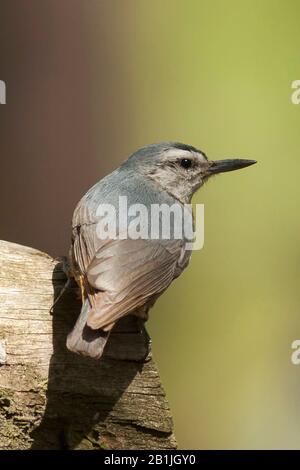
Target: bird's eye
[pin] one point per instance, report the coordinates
(186, 163)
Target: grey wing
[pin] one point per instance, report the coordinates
(129, 273)
(121, 275)
(84, 247)
(82, 339)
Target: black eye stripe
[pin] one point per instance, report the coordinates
(186, 163)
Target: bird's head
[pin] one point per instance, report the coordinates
(178, 168)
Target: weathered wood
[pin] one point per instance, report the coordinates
(51, 398)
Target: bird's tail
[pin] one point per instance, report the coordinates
(83, 339)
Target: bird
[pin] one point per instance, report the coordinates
(121, 276)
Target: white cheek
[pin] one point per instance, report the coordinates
(176, 153)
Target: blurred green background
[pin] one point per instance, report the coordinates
(216, 75)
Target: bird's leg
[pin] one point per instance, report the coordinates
(82, 291)
(67, 271)
(63, 290)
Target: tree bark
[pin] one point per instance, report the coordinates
(51, 398)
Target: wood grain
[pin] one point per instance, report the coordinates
(51, 398)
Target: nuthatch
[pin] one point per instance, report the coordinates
(121, 276)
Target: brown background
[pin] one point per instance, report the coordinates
(65, 122)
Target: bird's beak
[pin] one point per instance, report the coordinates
(220, 166)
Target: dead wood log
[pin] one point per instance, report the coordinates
(51, 398)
